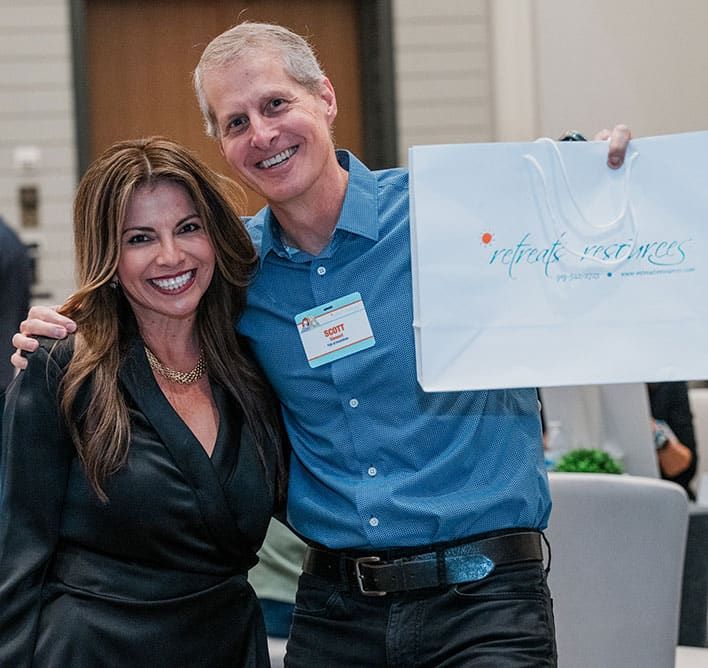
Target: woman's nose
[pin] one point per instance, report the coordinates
(170, 253)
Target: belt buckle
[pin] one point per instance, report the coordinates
(360, 577)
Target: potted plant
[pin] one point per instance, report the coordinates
(587, 460)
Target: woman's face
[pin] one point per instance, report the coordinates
(166, 258)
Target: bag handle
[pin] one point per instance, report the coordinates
(626, 210)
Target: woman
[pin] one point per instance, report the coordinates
(141, 458)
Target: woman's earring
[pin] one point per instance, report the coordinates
(114, 283)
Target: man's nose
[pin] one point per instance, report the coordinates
(263, 131)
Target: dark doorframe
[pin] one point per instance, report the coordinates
(77, 13)
(378, 84)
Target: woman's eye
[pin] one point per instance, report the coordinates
(189, 227)
(138, 239)
(277, 102)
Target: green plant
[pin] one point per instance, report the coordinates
(587, 460)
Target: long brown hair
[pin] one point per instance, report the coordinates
(102, 434)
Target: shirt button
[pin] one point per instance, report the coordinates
(372, 471)
(353, 403)
(374, 521)
(321, 271)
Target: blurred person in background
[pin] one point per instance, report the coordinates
(275, 576)
(14, 297)
(675, 445)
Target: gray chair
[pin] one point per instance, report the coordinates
(617, 556)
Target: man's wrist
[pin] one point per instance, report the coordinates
(572, 135)
(661, 437)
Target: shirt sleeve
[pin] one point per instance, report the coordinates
(34, 467)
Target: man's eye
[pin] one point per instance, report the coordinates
(277, 102)
(236, 123)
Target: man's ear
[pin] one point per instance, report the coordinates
(330, 99)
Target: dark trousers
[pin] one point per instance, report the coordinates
(503, 621)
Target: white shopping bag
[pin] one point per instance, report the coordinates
(534, 264)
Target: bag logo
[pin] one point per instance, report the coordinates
(666, 254)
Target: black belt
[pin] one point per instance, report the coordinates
(464, 562)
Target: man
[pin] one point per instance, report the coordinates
(424, 510)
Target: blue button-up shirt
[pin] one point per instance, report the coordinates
(377, 462)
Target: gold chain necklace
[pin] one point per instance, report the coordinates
(181, 377)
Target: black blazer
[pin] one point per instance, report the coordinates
(156, 576)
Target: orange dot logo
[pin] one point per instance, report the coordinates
(487, 238)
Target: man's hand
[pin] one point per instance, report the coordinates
(618, 138)
(41, 321)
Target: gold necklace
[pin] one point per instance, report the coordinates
(181, 377)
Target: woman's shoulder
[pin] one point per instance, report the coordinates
(52, 353)
(59, 350)
(45, 366)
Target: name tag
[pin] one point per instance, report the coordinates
(334, 330)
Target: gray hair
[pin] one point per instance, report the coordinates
(297, 55)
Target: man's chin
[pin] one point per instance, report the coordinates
(249, 185)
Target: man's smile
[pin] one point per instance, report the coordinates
(277, 159)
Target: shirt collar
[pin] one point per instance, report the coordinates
(358, 215)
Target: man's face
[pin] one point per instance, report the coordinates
(273, 132)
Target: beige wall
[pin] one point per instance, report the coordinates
(443, 72)
(598, 62)
(36, 110)
(518, 69)
(641, 61)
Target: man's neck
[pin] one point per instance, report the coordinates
(308, 223)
